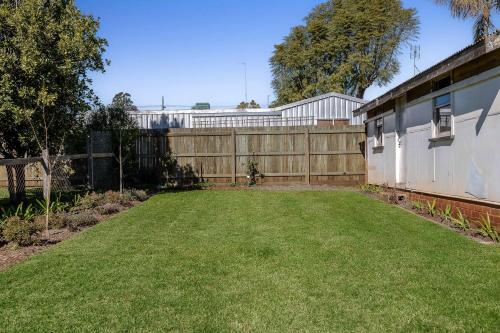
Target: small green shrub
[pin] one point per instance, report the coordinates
(82, 219)
(111, 197)
(486, 229)
(89, 201)
(446, 214)
(417, 205)
(55, 206)
(369, 188)
(26, 213)
(431, 208)
(109, 208)
(20, 232)
(460, 221)
(139, 195)
(252, 171)
(56, 221)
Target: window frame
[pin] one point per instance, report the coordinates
(436, 117)
(379, 142)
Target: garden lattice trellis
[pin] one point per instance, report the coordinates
(29, 172)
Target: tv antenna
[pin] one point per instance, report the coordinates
(415, 55)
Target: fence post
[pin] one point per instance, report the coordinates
(307, 159)
(233, 155)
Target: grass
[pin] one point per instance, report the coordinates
(213, 261)
(4, 194)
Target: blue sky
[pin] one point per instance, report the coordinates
(191, 51)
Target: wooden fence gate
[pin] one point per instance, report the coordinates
(285, 155)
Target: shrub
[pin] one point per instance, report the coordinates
(369, 188)
(56, 221)
(139, 195)
(417, 205)
(83, 219)
(89, 201)
(19, 231)
(134, 195)
(26, 213)
(460, 221)
(55, 206)
(252, 171)
(109, 208)
(487, 230)
(111, 197)
(445, 214)
(431, 208)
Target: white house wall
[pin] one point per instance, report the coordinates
(468, 165)
(382, 160)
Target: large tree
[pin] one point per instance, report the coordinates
(47, 50)
(344, 46)
(124, 100)
(480, 10)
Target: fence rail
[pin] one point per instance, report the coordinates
(302, 154)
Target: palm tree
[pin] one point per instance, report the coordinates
(480, 10)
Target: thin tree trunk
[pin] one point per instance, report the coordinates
(121, 163)
(47, 182)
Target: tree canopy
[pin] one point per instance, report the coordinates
(47, 50)
(480, 10)
(245, 105)
(123, 100)
(344, 46)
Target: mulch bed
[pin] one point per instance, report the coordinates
(10, 255)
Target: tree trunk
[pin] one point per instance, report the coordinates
(360, 93)
(47, 182)
(121, 164)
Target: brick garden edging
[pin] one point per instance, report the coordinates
(470, 208)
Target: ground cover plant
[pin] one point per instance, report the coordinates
(21, 224)
(481, 230)
(219, 261)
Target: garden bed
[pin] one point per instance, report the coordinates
(481, 231)
(22, 231)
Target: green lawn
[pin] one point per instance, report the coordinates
(213, 261)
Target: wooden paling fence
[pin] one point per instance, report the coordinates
(304, 154)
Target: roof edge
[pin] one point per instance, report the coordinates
(462, 57)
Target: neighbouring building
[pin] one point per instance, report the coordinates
(437, 135)
(320, 110)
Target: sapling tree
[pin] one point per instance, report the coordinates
(124, 132)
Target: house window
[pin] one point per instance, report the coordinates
(443, 117)
(379, 132)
